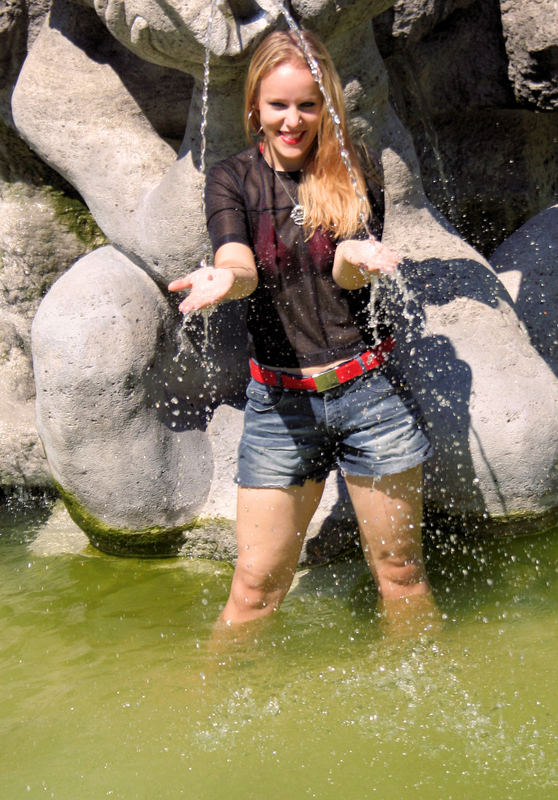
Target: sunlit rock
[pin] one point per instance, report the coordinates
(42, 231)
(488, 160)
(127, 453)
(531, 36)
(527, 265)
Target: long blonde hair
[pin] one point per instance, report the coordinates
(326, 191)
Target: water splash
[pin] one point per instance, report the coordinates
(189, 320)
(407, 300)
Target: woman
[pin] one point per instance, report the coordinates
(284, 218)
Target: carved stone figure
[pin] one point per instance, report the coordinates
(130, 405)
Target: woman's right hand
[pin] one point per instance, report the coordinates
(208, 286)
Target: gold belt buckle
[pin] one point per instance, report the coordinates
(326, 380)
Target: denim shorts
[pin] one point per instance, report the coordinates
(368, 426)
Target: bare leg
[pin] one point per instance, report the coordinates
(389, 512)
(271, 525)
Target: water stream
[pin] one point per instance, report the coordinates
(204, 313)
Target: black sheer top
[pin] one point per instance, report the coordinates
(297, 316)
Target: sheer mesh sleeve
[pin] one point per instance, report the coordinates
(225, 208)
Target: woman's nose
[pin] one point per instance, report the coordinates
(293, 117)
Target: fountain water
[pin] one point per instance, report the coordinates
(206, 312)
(132, 704)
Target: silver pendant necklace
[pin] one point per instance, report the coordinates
(297, 215)
(297, 211)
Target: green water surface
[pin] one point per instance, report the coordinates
(110, 688)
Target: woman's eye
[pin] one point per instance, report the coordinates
(277, 104)
(309, 104)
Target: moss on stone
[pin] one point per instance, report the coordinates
(213, 538)
(515, 523)
(76, 218)
(24, 173)
(150, 542)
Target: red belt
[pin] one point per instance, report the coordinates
(331, 377)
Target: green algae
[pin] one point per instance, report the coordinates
(213, 538)
(23, 174)
(77, 219)
(114, 684)
(151, 541)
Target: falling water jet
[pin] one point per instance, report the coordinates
(205, 313)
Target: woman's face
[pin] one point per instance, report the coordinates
(289, 102)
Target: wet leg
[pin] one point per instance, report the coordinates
(389, 512)
(271, 525)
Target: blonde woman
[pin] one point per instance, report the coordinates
(287, 229)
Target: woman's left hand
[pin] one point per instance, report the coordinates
(370, 255)
(358, 260)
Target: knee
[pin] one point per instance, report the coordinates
(257, 594)
(400, 575)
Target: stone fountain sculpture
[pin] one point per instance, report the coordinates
(139, 417)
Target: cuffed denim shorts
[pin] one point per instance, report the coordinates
(368, 427)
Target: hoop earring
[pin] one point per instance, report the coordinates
(250, 117)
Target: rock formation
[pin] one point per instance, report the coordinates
(131, 406)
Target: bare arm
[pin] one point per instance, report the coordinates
(234, 276)
(358, 260)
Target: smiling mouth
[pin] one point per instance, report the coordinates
(290, 138)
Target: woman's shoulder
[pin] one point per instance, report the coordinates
(239, 163)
